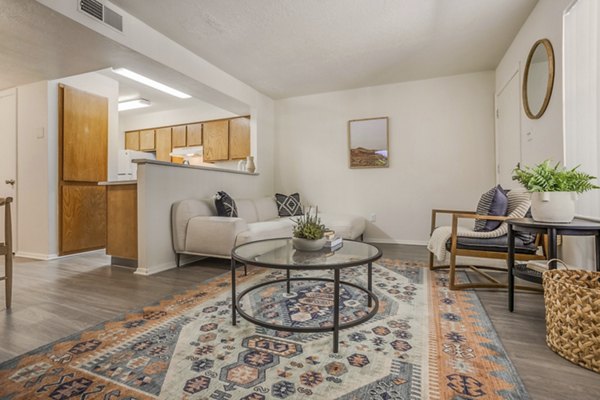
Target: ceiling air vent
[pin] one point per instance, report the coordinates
(99, 11)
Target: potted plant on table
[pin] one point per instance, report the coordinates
(309, 232)
(554, 190)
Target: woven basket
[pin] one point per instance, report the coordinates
(572, 299)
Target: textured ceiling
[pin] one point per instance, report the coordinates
(288, 47)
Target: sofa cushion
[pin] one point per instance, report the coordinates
(266, 208)
(246, 210)
(346, 225)
(499, 244)
(225, 204)
(278, 228)
(288, 206)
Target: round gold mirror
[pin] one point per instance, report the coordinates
(539, 79)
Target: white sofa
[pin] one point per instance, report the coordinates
(197, 230)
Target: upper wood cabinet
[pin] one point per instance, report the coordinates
(194, 134)
(163, 144)
(132, 140)
(178, 137)
(215, 136)
(239, 138)
(83, 143)
(147, 142)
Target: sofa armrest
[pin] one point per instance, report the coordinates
(213, 235)
(181, 213)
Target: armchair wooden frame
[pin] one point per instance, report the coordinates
(492, 283)
(6, 250)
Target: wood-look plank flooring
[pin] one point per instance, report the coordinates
(53, 299)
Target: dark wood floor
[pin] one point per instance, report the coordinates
(53, 299)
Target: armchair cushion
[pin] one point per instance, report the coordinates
(499, 244)
(494, 202)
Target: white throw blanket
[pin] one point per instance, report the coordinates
(518, 204)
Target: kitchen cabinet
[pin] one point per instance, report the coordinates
(194, 134)
(147, 140)
(163, 144)
(132, 140)
(178, 136)
(121, 220)
(239, 138)
(215, 136)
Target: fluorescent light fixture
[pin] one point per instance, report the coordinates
(150, 82)
(133, 104)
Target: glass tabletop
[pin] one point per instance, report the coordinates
(280, 253)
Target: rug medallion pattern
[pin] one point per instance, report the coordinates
(426, 342)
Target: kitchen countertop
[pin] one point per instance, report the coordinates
(113, 183)
(170, 164)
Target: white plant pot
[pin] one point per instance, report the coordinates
(307, 244)
(553, 206)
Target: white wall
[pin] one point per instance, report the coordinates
(545, 21)
(441, 151)
(34, 207)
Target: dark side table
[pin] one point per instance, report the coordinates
(577, 227)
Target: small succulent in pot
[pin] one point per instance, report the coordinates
(309, 226)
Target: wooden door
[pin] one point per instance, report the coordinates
(239, 138)
(163, 144)
(147, 142)
(132, 140)
(83, 157)
(194, 135)
(215, 136)
(508, 136)
(178, 136)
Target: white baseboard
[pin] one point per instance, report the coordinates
(36, 256)
(47, 257)
(396, 241)
(155, 269)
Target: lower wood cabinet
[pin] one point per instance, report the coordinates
(82, 217)
(121, 221)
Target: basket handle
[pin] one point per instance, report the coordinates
(559, 261)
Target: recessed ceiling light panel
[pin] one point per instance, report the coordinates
(150, 82)
(133, 104)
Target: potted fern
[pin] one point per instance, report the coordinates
(308, 232)
(554, 190)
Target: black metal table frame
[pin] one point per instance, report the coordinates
(372, 301)
(552, 230)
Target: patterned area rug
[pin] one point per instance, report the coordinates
(425, 342)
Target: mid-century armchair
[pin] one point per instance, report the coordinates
(459, 241)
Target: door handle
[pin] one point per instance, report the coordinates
(10, 182)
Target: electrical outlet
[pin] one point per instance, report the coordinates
(373, 217)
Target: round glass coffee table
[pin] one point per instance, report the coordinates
(280, 254)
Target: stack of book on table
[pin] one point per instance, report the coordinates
(333, 241)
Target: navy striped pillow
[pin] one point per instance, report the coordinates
(493, 202)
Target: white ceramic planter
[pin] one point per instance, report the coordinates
(308, 245)
(553, 206)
